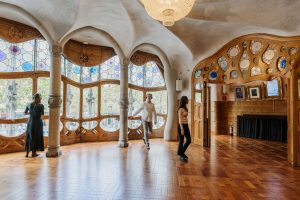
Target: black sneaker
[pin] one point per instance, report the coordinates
(148, 146)
(181, 158)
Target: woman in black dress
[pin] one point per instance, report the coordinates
(34, 132)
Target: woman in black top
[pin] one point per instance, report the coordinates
(34, 132)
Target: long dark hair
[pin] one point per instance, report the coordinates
(182, 103)
(37, 98)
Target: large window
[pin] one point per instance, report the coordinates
(87, 90)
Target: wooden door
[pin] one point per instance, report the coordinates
(201, 113)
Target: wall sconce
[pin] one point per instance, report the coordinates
(178, 85)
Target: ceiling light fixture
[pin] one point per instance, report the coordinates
(168, 11)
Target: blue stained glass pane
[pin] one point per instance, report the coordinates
(2, 56)
(93, 70)
(110, 69)
(27, 66)
(87, 79)
(76, 70)
(117, 67)
(140, 75)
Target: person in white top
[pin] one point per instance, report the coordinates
(148, 114)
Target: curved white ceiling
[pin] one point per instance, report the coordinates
(210, 25)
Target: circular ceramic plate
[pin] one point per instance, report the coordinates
(198, 73)
(244, 64)
(233, 51)
(233, 74)
(293, 51)
(281, 65)
(255, 46)
(269, 54)
(213, 75)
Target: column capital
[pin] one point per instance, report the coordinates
(54, 101)
(56, 50)
(124, 62)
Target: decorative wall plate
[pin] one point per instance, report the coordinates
(293, 51)
(234, 74)
(281, 64)
(223, 63)
(244, 62)
(213, 75)
(256, 71)
(269, 55)
(292, 61)
(233, 51)
(198, 73)
(256, 46)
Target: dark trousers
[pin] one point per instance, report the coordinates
(181, 146)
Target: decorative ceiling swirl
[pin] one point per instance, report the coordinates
(250, 58)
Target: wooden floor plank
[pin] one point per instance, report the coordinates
(233, 168)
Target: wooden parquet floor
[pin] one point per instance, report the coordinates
(233, 168)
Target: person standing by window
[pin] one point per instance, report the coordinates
(149, 113)
(183, 128)
(34, 132)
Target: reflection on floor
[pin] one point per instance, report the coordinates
(234, 168)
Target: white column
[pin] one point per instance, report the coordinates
(170, 132)
(123, 136)
(54, 102)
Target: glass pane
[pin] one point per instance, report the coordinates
(198, 97)
(72, 126)
(72, 71)
(73, 98)
(12, 130)
(272, 88)
(135, 98)
(136, 75)
(90, 102)
(90, 74)
(133, 124)
(110, 69)
(43, 87)
(109, 124)
(160, 100)
(153, 75)
(16, 57)
(110, 95)
(160, 122)
(89, 125)
(16, 94)
(43, 56)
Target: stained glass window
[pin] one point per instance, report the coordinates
(109, 124)
(72, 126)
(153, 77)
(89, 125)
(72, 71)
(135, 98)
(12, 130)
(90, 74)
(160, 101)
(110, 69)
(90, 102)
(16, 94)
(136, 75)
(110, 95)
(43, 56)
(73, 98)
(16, 57)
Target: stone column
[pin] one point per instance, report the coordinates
(123, 136)
(54, 102)
(170, 132)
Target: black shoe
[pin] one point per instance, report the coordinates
(181, 158)
(185, 156)
(144, 140)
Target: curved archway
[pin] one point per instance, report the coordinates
(35, 22)
(102, 33)
(170, 132)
